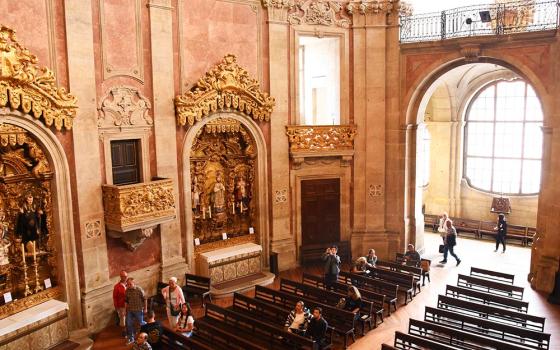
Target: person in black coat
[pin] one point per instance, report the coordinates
(450, 243)
(502, 232)
(317, 329)
(332, 266)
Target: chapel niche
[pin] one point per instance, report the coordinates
(223, 186)
(26, 179)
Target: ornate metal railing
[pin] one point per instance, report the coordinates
(490, 19)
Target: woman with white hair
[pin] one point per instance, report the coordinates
(174, 298)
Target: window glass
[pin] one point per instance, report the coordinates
(319, 80)
(503, 147)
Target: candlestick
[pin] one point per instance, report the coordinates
(38, 286)
(241, 205)
(25, 278)
(34, 251)
(210, 212)
(203, 214)
(233, 208)
(23, 252)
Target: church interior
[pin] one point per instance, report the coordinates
(244, 158)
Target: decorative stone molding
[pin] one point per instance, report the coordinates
(133, 239)
(321, 141)
(94, 229)
(375, 191)
(364, 7)
(280, 196)
(137, 206)
(25, 303)
(226, 87)
(277, 3)
(312, 12)
(124, 106)
(29, 88)
(471, 52)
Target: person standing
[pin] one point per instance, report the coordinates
(442, 227)
(136, 306)
(119, 300)
(317, 329)
(450, 243)
(502, 232)
(332, 266)
(174, 298)
(154, 331)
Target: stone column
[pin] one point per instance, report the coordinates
(282, 239)
(161, 34)
(92, 252)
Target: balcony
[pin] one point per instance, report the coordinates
(321, 141)
(500, 18)
(138, 206)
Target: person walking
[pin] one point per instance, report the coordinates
(450, 243)
(174, 298)
(332, 266)
(502, 232)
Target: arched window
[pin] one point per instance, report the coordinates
(503, 139)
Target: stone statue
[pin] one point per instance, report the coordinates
(4, 242)
(241, 195)
(219, 195)
(29, 221)
(196, 196)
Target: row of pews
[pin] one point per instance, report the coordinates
(485, 310)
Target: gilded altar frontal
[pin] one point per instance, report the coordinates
(226, 144)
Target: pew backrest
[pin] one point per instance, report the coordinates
(492, 275)
(486, 298)
(493, 287)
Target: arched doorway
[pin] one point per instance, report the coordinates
(482, 72)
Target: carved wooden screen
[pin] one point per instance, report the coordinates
(320, 211)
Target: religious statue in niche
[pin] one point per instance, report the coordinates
(222, 177)
(27, 254)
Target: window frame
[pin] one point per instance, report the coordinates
(494, 84)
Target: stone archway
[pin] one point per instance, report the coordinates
(420, 86)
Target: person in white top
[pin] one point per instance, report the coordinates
(174, 298)
(185, 323)
(298, 319)
(442, 228)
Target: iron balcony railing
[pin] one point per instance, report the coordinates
(490, 19)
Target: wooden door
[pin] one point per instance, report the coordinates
(126, 165)
(320, 211)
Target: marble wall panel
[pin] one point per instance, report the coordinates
(210, 29)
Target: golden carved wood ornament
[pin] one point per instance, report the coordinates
(29, 88)
(226, 87)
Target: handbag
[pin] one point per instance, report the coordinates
(441, 248)
(174, 311)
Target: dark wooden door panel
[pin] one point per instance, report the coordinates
(125, 161)
(320, 211)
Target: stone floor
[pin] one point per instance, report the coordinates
(477, 253)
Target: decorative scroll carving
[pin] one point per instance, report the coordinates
(320, 138)
(25, 172)
(207, 247)
(222, 181)
(25, 303)
(471, 52)
(372, 6)
(131, 207)
(405, 9)
(133, 239)
(375, 191)
(29, 88)
(327, 13)
(226, 87)
(280, 196)
(124, 106)
(277, 3)
(94, 229)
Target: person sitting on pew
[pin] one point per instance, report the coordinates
(317, 329)
(371, 258)
(185, 323)
(298, 319)
(141, 342)
(353, 302)
(360, 266)
(411, 257)
(153, 329)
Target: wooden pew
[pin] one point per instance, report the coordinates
(518, 335)
(390, 290)
(517, 232)
(406, 282)
(486, 298)
(197, 285)
(467, 226)
(313, 253)
(219, 338)
(341, 320)
(405, 341)
(266, 312)
(378, 300)
(411, 270)
(531, 232)
(431, 221)
(493, 313)
(367, 311)
(487, 229)
(400, 258)
(463, 339)
(497, 288)
(171, 340)
(247, 327)
(492, 275)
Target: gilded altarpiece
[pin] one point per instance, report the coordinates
(222, 160)
(25, 187)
